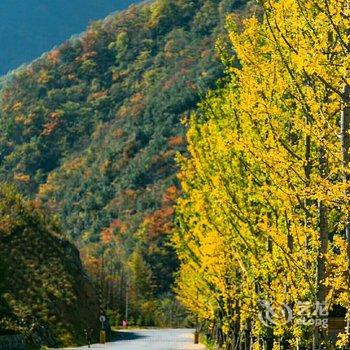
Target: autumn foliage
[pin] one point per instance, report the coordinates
(265, 211)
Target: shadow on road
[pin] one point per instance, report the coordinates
(125, 335)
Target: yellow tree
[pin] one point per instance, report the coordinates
(268, 171)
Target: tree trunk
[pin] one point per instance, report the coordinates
(345, 145)
(237, 327)
(307, 202)
(270, 330)
(323, 237)
(248, 335)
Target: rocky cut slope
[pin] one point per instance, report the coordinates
(45, 295)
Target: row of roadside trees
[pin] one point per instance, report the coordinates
(264, 220)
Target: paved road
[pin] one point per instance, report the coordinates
(152, 339)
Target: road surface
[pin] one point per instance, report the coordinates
(151, 339)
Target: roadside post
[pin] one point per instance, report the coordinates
(196, 332)
(102, 331)
(196, 336)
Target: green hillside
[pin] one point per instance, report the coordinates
(45, 295)
(92, 129)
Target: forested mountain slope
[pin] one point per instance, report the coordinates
(45, 295)
(30, 27)
(92, 130)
